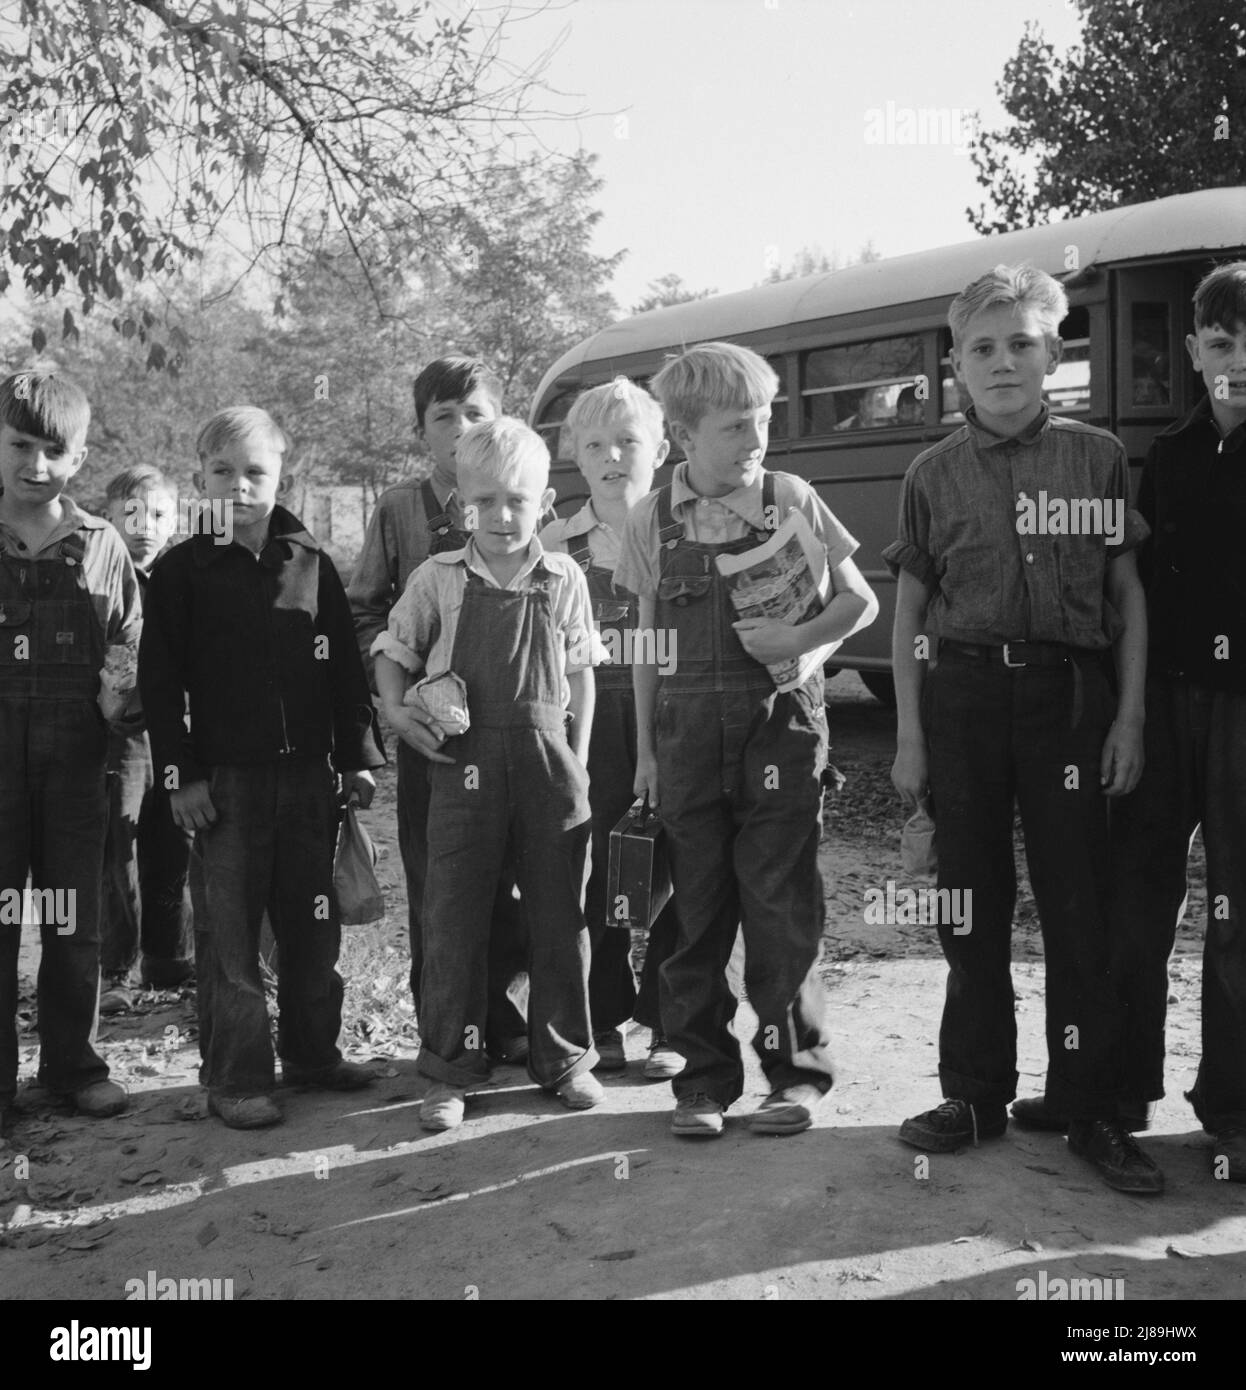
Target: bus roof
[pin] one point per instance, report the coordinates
(1207, 220)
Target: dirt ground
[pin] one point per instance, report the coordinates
(349, 1199)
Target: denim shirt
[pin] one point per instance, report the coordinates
(963, 507)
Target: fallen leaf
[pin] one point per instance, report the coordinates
(614, 1255)
(384, 1179)
(1182, 1253)
(207, 1234)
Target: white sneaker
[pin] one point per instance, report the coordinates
(443, 1106)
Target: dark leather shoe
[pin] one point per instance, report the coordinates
(954, 1124)
(100, 1100)
(1228, 1156)
(341, 1076)
(1111, 1149)
(1034, 1113)
(245, 1112)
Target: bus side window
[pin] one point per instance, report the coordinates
(858, 386)
(1150, 366)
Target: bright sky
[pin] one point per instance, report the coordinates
(742, 126)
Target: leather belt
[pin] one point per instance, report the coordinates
(1017, 654)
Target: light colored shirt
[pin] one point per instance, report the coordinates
(718, 520)
(605, 544)
(424, 623)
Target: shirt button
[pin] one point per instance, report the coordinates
(1029, 559)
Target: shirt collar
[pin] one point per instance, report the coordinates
(988, 439)
(282, 526)
(582, 523)
(471, 559)
(1201, 417)
(73, 518)
(746, 502)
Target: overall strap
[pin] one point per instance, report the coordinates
(670, 531)
(582, 556)
(439, 522)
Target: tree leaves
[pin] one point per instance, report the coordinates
(1149, 104)
(153, 128)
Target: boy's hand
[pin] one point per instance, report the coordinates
(361, 785)
(910, 773)
(645, 783)
(192, 807)
(767, 640)
(419, 730)
(1120, 765)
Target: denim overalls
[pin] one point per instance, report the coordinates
(515, 795)
(508, 989)
(739, 782)
(612, 992)
(53, 744)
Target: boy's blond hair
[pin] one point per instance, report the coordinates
(601, 404)
(499, 449)
(1025, 286)
(236, 423)
(713, 376)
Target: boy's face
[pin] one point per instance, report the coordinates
(246, 473)
(1220, 357)
(618, 457)
(146, 520)
(726, 448)
(1004, 354)
(503, 516)
(33, 470)
(445, 421)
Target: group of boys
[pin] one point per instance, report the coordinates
(1021, 672)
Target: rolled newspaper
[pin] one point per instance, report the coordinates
(118, 679)
(445, 698)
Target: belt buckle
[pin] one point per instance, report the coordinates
(1008, 661)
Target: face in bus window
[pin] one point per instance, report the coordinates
(618, 457)
(1220, 358)
(726, 448)
(1004, 354)
(445, 421)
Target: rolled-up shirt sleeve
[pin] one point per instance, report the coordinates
(910, 550)
(412, 625)
(637, 570)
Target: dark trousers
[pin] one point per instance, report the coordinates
(525, 804)
(271, 847)
(613, 996)
(146, 856)
(52, 817)
(507, 954)
(739, 777)
(999, 738)
(1195, 775)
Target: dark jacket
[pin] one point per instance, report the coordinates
(266, 651)
(1193, 566)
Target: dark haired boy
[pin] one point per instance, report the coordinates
(258, 634)
(146, 856)
(1017, 708)
(413, 520)
(68, 596)
(1193, 496)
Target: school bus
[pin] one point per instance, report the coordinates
(862, 355)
